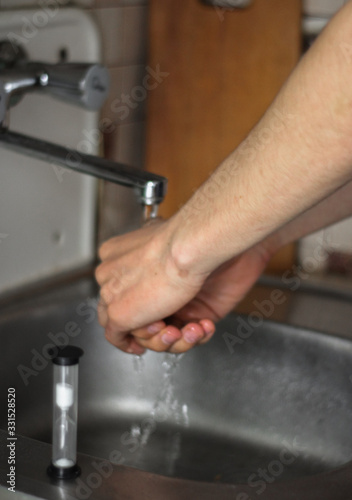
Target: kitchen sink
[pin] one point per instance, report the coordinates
(264, 408)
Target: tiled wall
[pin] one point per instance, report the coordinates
(324, 8)
(328, 251)
(123, 25)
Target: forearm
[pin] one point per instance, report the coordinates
(332, 209)
(298, 154)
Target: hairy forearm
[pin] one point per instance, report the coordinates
(298, 154)
(332, 209)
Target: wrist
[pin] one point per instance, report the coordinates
(185, 251)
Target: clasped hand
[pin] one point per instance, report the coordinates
(147, 302)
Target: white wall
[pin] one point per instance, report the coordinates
(324, 8)
(47, 214)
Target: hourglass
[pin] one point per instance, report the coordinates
(65, 365)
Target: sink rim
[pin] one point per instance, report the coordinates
(334, 484)
(129, 483)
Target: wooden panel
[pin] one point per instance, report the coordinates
(224, 69)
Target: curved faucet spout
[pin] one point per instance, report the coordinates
(151, 188)
(82, 84)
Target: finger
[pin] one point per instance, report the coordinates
(192, 334)
(195, 310)
(162, 341)
(121, 340)
(102, 313)
(119, 245)
(106, 294)
(135, 348)
(109, 272)
(209, 330)
(149, 331)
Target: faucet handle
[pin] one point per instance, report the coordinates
(3, 102)
(83, 84)
(86, 85)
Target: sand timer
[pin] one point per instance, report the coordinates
(65, 365)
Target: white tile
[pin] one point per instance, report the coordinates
(111, 25)
(340, 235)
(118, 3)
(325, 8)
(11, 4)
(135, 35)
(134, 2)
(110, 110)
(121, 210)
(120, 213)
(126, 144)
(130, 144)
(127, 98)
(134, 93)
(315, 248)
(49, 215)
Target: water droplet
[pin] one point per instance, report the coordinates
(150, 212)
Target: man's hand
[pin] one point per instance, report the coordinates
(140, 286)
(148, 303)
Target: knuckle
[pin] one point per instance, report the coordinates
(106, 295)
(104, 250)
(116, 316)
(114, 285)
(100, 273)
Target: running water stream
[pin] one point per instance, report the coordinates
(166, 406)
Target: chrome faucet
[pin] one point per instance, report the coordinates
(85, 85)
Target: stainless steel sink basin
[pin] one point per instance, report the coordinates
(264, 404)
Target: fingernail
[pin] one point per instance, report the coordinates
(168, 337)
(208, 328)
(190, 335)
(155, 328)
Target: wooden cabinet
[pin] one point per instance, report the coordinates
(220, 71)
